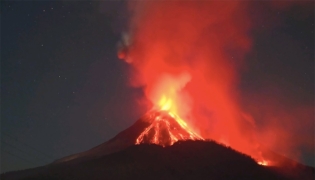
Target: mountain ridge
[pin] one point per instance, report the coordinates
(183, 160)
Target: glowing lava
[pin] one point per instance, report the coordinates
(166, 126)
(263, 163)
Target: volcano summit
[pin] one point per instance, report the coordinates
(165, 129)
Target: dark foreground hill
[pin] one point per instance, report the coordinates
(183, 160)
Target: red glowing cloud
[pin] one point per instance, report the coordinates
(191, 52)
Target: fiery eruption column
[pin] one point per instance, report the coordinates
(186, 56)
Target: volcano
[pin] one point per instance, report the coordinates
(160, 145)
(155, 127)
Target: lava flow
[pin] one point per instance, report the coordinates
(166, 127)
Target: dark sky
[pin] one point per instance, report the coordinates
(63, 89)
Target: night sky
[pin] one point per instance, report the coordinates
(63, 89)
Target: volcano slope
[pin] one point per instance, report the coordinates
(183, 160)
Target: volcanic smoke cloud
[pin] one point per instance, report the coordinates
(191, 52)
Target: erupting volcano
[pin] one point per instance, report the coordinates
(159, 139)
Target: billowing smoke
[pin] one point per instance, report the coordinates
(194, 50)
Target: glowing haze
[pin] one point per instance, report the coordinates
(186, 55)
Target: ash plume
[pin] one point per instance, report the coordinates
(207, 41)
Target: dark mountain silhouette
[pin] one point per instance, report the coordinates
(120, 158)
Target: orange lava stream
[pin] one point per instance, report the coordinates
(173, 133)
(174, 137)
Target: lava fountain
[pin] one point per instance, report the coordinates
(169, 105)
